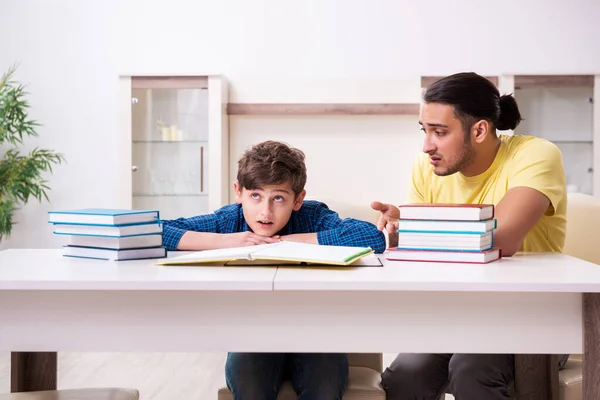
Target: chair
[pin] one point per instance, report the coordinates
(364, 380)
(583, 217)
(76, 394)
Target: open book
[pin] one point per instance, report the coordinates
(275, 253)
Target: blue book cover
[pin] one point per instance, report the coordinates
(103, 216)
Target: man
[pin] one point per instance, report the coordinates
(270, 207)
(466, 161)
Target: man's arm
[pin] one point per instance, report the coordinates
(333, 231)
(536, 185)
(390, 214)
(517, 213)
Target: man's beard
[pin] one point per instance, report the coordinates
(464, 160)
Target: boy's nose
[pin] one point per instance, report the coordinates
(266, 211)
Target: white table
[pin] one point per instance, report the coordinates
(527, 304)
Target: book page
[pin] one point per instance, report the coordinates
(310, 253)
(232, 253)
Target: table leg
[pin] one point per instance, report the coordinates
(591, 346)
(33, 371)
(536, 377)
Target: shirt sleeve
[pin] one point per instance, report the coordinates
(334, 231)
(173, 230)
(539, 165)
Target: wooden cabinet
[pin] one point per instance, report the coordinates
(178, 140)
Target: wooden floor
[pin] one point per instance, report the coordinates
(157, 376)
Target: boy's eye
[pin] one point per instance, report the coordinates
(440, 133)
(255, 196)
(278, 198)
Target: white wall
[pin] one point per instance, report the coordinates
(71, 52)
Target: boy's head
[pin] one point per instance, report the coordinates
(270, 185)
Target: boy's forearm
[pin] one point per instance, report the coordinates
(198, 241)
(302, 238)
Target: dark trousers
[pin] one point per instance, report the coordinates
(258, 376)
(465, 376)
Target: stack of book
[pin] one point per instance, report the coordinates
(460, 233)
(109, 234)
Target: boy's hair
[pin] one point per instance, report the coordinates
(272, 163)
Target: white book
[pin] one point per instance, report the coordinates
(447, 212)
(116, 243)
(279, 252)
(103, 216)
(479, 257)
(407, 225)
(108, 230)
(445, 241)
(114, 255)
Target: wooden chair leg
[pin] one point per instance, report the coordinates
(33, 371)
(536, 377)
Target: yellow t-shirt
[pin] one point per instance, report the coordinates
(520, 161)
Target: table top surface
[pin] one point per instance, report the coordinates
(47, 269)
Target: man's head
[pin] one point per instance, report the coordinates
(460, 113)
(270, 185)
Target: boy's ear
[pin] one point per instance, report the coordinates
(299, 200)
(238, 192)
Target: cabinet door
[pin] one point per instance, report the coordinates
(563, 115)
(170, 148)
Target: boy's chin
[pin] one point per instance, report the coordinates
(264, 230)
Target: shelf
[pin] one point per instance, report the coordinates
(171, 195)
(323, 109)
(428, 80)
(169, 82)
(169, 141)
(546, 81)
(571, 141)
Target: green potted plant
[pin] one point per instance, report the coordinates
(21, 175)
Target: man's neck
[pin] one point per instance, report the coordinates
(484, 157)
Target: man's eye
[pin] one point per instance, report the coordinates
(439, 133)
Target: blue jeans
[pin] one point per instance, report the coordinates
(258, 376)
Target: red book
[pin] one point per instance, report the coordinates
(447, 212)
(469, 257)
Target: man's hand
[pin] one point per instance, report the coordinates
(389, 216)
(242, 239)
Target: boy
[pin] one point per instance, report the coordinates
(270, 207)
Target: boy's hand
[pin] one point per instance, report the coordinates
(389, 216)
(242, 239)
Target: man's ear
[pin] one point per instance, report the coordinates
(238, 192)
(480, 130)
(299, 200)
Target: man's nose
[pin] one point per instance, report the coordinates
(428, 146)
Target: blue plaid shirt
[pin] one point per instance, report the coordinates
(312, 217)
